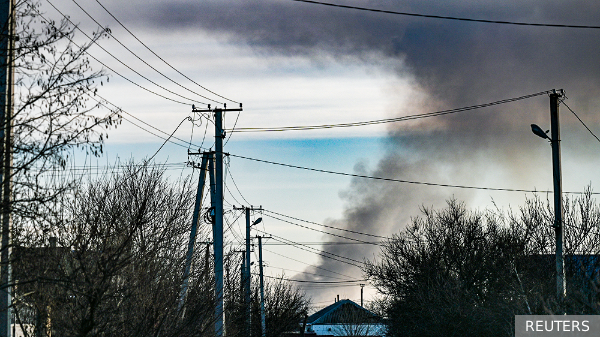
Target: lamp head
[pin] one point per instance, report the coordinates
(539, 131)
(257, 221)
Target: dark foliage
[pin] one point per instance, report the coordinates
(118, 262)
(285, 305)
(456, 272)
(55, 110)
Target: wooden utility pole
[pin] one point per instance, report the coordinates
(6, 110)
(218, 204)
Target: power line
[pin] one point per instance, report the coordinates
(398, 180)
(324, 286)
(234, 184)
(155, 54)
(166, 140)
(313, 282)
(449, 17)
(154, 134)
(140, 120)
(314, 251)
(75, 168)
(118, 59)
(320, 231)
(388, 120)
(233, 129)
(103, 64)
(565, 104)
(240, 240)
(303, 272)
(138, 57)
(227, 187)
(308, 264)
(332, 227)
(326, 243)
(148, 124)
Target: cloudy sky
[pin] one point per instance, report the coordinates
(292, 63)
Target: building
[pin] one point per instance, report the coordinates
(344, 318)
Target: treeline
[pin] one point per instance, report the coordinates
(456, 272)
(108, 258)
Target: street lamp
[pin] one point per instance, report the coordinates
(539, 131)
(561, 286)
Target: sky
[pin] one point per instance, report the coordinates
(293, 64)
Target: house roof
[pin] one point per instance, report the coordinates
(343, 311)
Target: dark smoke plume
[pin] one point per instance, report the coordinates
(456, 64)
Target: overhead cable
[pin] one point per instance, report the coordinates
(119, 109)
(139, 58)
(155, 54)
(320, 231)
(325, 254)
(565, 104)
(315, 282)
(388, 120)
(450, 17)
(326, 243)
(332, 227)
(399, 180)
(304, 272)
(234, 184)
(166, 140)
(308, 264)
(111, 69)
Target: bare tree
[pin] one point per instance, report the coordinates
(54, 112)
(351, 320)
(285, 305)
(55, 108)
(453, 271)
(117, 266)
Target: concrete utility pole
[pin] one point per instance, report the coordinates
(218, 229)
(6, 110)
(561, 286)
(362, 286)
(218, 225)
(247, 299)
(195, 217)
(243, 270)
(246, 271)
(263, 326)
(561, 283)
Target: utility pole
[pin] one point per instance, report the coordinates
(561, 286)
(247, 278)
(7, 41)
(247, 299)
(195, 217)
(218, 225)
(561, 283)
(362, 285)
(243, 270)
(262, 289)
